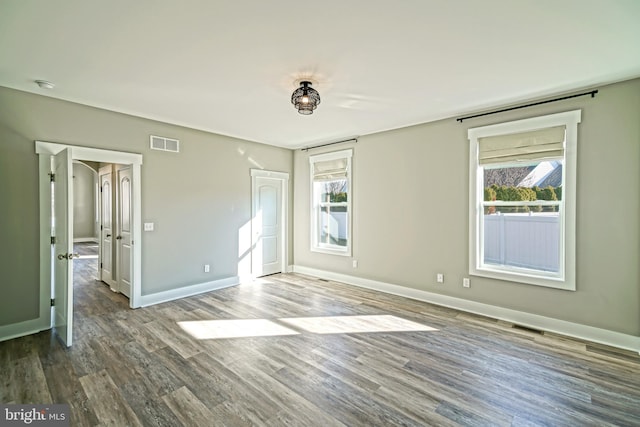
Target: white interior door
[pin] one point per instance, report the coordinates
(63, 248)
(267, 228)
(106, 229)
(123, 238)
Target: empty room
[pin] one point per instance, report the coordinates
(348, 213)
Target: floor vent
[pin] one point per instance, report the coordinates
(164, 144)
(323, 280)
(527, 329)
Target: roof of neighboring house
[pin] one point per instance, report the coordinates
(548, 173)
(553, 179)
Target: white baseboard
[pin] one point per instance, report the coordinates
(85, 239)
(576, 330)
(20, 329)
(187, 291)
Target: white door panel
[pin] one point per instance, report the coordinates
(124, 232)
(267, 223)
(270, 251)
(106, 232)
(63, 247)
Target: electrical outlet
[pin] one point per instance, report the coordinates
(207, 268)
(355, 263)
(466, 283)
(440, 278)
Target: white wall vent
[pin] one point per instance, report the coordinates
(165, 144)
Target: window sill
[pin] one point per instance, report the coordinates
(330, 251)
(524, 278)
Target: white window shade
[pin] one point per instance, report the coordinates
(534, 145)
(329, 170)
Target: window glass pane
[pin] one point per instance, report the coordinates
(332, 212)
(513, 238)
(537, 181)
(332, 225)
(523, 236)
(332, 191)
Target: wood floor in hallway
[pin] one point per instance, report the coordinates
(294, 350)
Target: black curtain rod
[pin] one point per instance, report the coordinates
(592, 93)
(330, 143)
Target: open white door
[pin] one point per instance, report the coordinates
(63, 247)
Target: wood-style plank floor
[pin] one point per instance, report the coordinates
(312, 353)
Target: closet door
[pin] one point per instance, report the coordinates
(123, 238)
(106, 226)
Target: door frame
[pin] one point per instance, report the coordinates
(45, 150)
(283, 177)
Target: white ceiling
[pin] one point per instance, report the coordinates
(230, 67)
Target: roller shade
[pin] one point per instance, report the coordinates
(330, 169)
(534, 145)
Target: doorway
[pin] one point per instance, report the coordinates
(115, 231)
(269, 214)
(57, 254)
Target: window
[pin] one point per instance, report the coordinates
(331, 202)
(522, 198)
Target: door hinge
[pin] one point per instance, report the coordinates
(101, 188)
(100, 228)
(100, 265)
(53, 240)
(53, 302)
(52, 176)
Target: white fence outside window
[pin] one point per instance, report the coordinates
(523, 240)
(335, 224)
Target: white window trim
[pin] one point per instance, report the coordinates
(566, 279)
(315, 246)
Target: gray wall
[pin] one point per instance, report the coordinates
(198, 199)
(423, 171)
(84, 201)
(19, 223)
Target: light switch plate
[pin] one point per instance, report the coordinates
(148, 226)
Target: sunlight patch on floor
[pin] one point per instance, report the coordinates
(355, 324)
(243, 328)
(218, 329)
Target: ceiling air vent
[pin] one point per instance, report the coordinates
(165, 144)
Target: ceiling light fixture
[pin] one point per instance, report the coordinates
(45, 84)
(305, 98)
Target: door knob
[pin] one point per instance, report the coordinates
(62, 256)
(108, 235)
(119, 237)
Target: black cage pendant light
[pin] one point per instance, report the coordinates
(305, 98)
